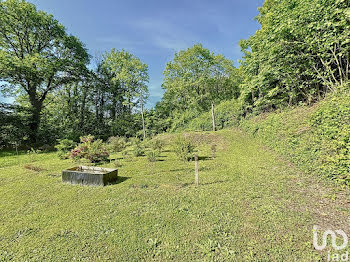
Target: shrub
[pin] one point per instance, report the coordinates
(331, 128)
(157, 145)
(94, 151)
(138, 150)
(116, 144)
(137, 147)
(183, 148)
(64, 147)
(153, 155)
(134, 141)
(227, 113)
(127, 156)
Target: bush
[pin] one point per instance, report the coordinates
(227, 113)
(157, 145)
(138, 150)
(94, 151)
(127, 156)
(134, 141)
(183, 148)
(153, 155)
(331, 128)
(64, 147)
(137, 147)
(116, 144)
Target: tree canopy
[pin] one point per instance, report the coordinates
(300, 53)
(197, 78)
(36, 55)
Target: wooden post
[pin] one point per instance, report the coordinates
(196, 172)
(213, 117)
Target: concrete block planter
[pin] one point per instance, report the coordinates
(88, 175)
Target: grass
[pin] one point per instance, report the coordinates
(250, 206)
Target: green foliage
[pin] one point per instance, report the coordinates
(64, 147)
(300, 53)
(116, 163)
(157, 144)
(93, 150)
(46, 69)
(152, 155)
(331, 125)
(194, 80)
(315, 138)
(127, 155)
(227, 113)
(36, 55)
(13, 125)
(138, 150)
(116, 144)
(129, 74)
(135, 147)
(183, 147)
(134, 141)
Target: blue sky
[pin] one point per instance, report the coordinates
(153, 30)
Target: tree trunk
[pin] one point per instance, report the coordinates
(82, 109)
(114, 108)
(143, 121)
(213, 117)
(35, 119)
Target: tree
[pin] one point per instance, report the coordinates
(131, 76)
(37, 56)
(197, 79)
(300, 53)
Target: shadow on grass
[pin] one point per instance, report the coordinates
(167, 151)
(203, 158)
(213, 183)
(120, 179)
(181, 170)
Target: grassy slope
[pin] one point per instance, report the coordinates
(315, 138)
(251, 206)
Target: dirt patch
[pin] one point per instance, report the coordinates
(34, 168)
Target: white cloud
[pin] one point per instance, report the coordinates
(163, 34)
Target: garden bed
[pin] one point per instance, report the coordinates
(86, 175)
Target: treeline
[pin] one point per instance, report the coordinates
(300, 54)
(57, 94)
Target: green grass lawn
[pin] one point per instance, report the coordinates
(250, 206)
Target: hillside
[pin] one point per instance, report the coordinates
(316, 138)
(250, 205)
